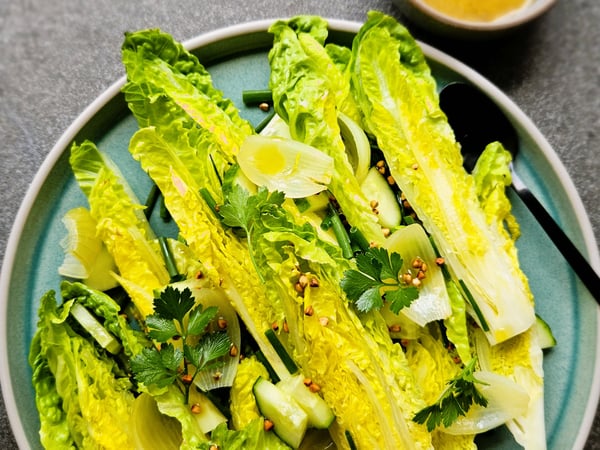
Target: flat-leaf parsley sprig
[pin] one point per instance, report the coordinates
(455, 401)
(178, 319)
(246, 212)
(376, 279)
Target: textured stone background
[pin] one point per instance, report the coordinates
(56, 56)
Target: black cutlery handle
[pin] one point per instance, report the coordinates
(580, 265)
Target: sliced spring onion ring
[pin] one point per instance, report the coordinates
(279, 164)
(85, 256)
(152, 429)
(433, 303)
(506, 400)
(227, 320)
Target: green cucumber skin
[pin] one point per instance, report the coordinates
(545, 336)
(320, 415)
(289, 419)
(375, 187)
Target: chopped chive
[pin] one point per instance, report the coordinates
(302, 204)
(265, 362)
(350, 440)
(358, 239)
(169, 260)
(434, 245)
(445, 272)
(340, 233)
(212, 161)
(151, 200)
(210, 201)
(444, 268)
(263, 123)
(326, 223)
(287, 360)
(165, 215)
(257, 96)
(478, 313)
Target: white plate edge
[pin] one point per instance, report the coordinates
(573, 196)
(257, 26)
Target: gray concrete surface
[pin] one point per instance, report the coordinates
(56, 56)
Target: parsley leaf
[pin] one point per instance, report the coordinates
(161, 329)
(454, 401)
(199, 319)
(174, 304)
(242, 209)
(401, 298)
(212, 347)
(159, 367)
(236, 211)
(388, 266)
(246, 212)
(376, 279)
(186, 349)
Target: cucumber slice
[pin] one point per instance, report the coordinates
(357, 146)
(95, 328)
(208, 416)
(320, 415)
(376, 188)
(544, 332)
(289, 419)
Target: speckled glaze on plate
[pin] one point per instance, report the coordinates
(237, 59)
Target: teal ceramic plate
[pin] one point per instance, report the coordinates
(237, 59)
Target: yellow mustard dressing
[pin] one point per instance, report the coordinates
(476, 10)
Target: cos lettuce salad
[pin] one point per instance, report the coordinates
(337, 280)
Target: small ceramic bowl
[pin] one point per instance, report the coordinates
(431, 19)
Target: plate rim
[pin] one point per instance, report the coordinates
(583, 223)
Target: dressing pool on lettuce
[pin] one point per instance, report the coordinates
(337, 279)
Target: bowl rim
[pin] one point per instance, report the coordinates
(241, 29)
(526, 13)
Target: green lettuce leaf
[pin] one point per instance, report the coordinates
(457, 325)
(365, 374)
(431, 362)
(171, 402)
(92, 397)
(521, 360)
(492, 176)
(308, 89)
(54, 427)
(166, 83)
(253, 436)
(243, 404)
(226, 258)
(398, 98)
(121, 224)
(104, 306)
